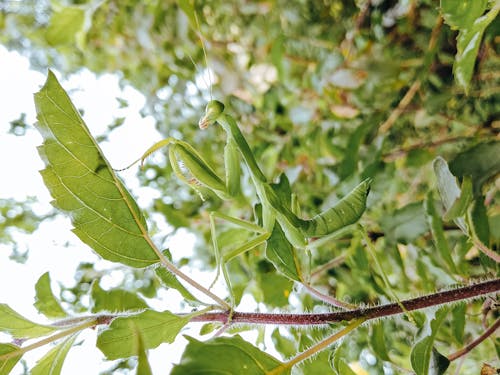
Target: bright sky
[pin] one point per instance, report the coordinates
(49, 249)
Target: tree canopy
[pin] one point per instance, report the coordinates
(348, 184)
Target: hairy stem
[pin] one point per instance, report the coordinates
(453, 295)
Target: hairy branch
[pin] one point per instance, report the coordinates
(453, 295)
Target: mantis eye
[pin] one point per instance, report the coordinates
(212, 112)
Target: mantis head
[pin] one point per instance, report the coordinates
(213, 110)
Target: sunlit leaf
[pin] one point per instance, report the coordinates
(222, 356)
(18, 326)
(281, 253)
(45, 301)
(6, 365)
(119, 339)
(52, 362)
(82, 183)
(115, 300)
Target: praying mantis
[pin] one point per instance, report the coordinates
(279, 219)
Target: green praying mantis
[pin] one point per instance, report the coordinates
(280, 223)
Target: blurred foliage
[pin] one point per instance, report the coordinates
(329, 92)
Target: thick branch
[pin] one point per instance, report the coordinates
(470, 291)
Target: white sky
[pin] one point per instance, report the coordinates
(19, 168)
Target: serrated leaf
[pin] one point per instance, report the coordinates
(45, 301)
(52, 362)
(119, 340)
(281, 254)
(437, 231)
(222, 356)
(6, 365)
(115, 300)
(103, 213)
(64, 25)
(481, 162)
(425, 359)
(20, 327)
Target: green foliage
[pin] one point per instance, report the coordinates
(125, 336)
(223, 355)
(74, 159)
(324, 95)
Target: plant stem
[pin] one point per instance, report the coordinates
(47, 340)
(447, 296)
(328, 299)
(476, 342)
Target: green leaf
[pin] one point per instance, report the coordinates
(425, 359)
(222, 356)
(45, 301)
(481, 162)
(52, 362)
(281, 254)
(460, 206)
(437, 231)
(448, 188)
(82, 183)
(377, 341)
(6, 365)
(115, 300)
(458, 321)
(468, 42)
(120, 339)
(460, 14)
(64, 26)
(18, 326)
(343, 368)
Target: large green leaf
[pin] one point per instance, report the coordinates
(45, 301)
(52, 362)
(18, 326)
(6, 365)
(462, 13)
(104, 214)
(224, 355)
(115, 300)
(120, 339)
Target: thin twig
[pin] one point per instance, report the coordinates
(476, 342)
